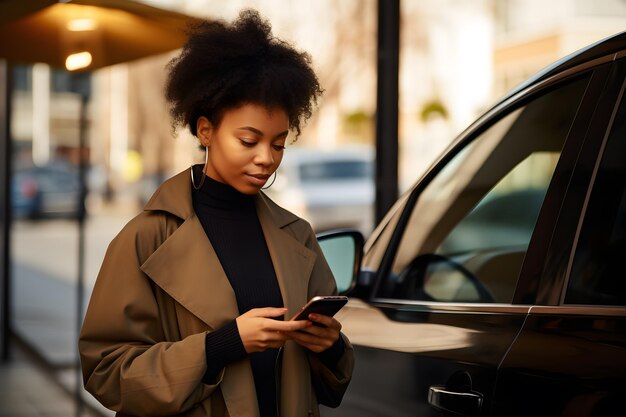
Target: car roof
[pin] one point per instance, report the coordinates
(610, 45)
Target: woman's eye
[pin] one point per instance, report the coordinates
(279, 147)
(247, 143)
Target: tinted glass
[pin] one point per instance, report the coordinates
(339, 252)
(470, 229)
(507, 214)
(599, 270)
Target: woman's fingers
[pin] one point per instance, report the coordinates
(266, 312)
(326, 321)
(318, 338)
(259, 332)
(311, 341)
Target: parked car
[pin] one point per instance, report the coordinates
(496, 286)
(331, 188)
(46, 191)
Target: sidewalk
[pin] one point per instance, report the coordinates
(40, 378)
(27, 389)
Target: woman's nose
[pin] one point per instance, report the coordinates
(264, 156)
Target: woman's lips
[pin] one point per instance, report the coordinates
(258, 179)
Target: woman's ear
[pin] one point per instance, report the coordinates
(204, 130)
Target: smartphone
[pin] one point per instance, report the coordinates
(326, 305)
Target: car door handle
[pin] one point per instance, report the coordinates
(458, 402)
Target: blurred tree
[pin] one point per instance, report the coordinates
(433, 108)
(359, 126)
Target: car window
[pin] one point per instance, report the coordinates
(506, 215)
(469, 231)
(598, 275)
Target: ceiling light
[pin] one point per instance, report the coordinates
(78, 60)
(81, 25)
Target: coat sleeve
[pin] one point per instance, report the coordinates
(330, 383)
(127, 364)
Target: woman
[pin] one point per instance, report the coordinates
(186, 316)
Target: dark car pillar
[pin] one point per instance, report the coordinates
(387, 106)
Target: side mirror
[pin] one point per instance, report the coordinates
(343, 250)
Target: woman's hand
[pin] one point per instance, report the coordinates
(259, 332)
(317, 338)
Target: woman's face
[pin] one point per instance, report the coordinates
(247, 146)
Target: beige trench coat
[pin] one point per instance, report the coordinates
(161, 288)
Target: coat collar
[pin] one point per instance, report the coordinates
(174, 197)
(186, 266)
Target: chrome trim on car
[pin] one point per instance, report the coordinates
(453, 307)
(582, 310)
(589, 310)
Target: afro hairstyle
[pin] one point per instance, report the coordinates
(223, 66)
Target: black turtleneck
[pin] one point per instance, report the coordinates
(231, 223)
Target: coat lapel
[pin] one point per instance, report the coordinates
(293, 262)
(188, 269)
(185, 265)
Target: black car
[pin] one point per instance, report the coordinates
(496, 286)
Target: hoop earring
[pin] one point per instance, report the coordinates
(271, 183)
(206, 160)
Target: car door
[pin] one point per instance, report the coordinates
(570, 357)
(448, 294)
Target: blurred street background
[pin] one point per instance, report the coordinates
(456, 58)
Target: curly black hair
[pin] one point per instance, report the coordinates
(225, 65)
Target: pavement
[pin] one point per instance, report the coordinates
(40, 377)
(44, 270)
(28, 388)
